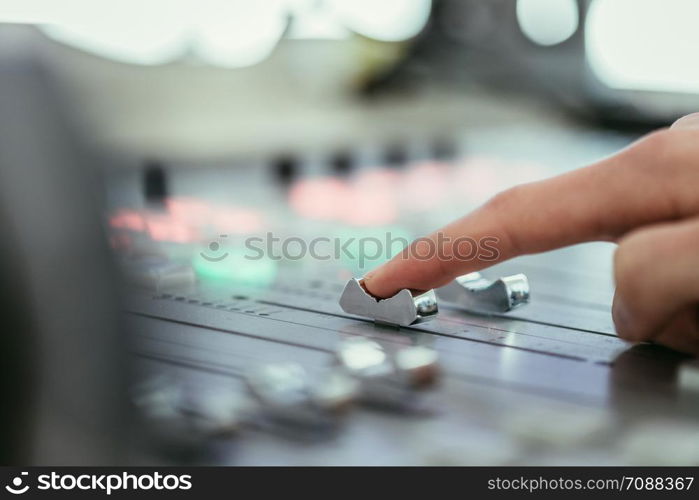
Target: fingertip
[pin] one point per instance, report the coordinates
(623, 321)
(629, 326)
(682, 333)
(372, 285)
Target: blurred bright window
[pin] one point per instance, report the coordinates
(232, 33)
(548, 22)
(644, 44)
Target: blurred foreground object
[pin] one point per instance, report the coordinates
(288, 395)
(389, 381)
(62, 366)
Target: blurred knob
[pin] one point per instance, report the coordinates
(154, 182)
(395, 155)
(285, 168)
(342, 162)
(443, 149)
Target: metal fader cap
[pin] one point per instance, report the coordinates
(479, 294)
(388, 379)
(404, 308)
(287, 393)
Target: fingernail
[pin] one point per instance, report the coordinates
(369, 275)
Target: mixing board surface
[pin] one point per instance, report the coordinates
(547, 383)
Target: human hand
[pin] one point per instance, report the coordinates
(645, 198)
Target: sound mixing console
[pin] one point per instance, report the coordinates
(547, 383)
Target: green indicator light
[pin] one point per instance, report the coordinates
(234, 266)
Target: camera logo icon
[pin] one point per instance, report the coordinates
(16, 487)
(215, 248)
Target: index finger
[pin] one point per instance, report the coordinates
(648, 182)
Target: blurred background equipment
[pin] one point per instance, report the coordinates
(244, 160)
(210, 79)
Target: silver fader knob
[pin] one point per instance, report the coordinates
(404, 308)
(388, 380)
(177, 414)
(476, 293)
(158, 274)
(285, 393)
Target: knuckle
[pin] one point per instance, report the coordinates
(686, 120)
(659, 139)
(665, 161)
(504, 200)
(670, 149)
(648, 157)
(501, 206)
